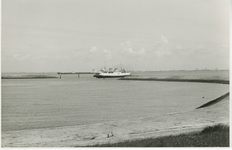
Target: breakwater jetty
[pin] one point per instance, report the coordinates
(78, 73)
(75, 72)
(214, 101)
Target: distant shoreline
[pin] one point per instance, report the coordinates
(178, 80)
(131, 71)
(29, 77)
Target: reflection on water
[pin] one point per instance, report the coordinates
(42, 103)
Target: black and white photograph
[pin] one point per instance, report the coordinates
(115, 73)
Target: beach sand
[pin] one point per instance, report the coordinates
(117, 131)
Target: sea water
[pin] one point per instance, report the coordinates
(69, 101)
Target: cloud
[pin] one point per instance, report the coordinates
(162, 53)
(134, 53)
(141, 51)
(162, 47)
(93, 49)
(107, 54)
(164, 39)
(127, 47)
(57, 57)
(129, 50)
(106, 51)
(225, 46)
(95, 54)
(21, 57)
(180, 49)
(201, 49)
(126, 44)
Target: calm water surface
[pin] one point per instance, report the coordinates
(44, 103)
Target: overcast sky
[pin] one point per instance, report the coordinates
(81, 35)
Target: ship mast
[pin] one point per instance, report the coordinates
(105, 65)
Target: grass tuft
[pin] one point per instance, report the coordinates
(212, 136)
(216, 128)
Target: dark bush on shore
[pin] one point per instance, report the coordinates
(212, 136)
(215, 128)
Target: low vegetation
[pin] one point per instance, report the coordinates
(176, 79)
(28, 77)
(212, 136)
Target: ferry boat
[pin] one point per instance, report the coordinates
(111, 73)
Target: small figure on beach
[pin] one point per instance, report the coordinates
(110, 134)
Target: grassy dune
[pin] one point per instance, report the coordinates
(212, 136)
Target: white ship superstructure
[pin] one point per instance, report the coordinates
(111, 73)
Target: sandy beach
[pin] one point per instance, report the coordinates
(116, 131)
(81, 73)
